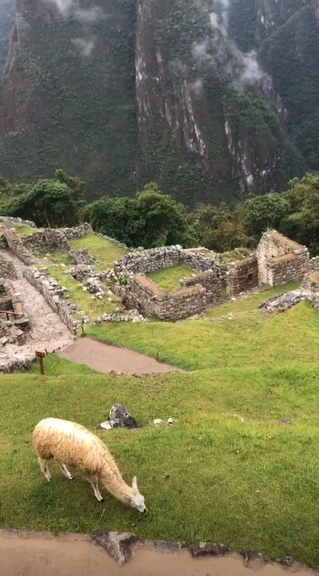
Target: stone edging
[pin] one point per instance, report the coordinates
(53, 295)
(122, 547)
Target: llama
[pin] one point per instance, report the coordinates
(71, 443)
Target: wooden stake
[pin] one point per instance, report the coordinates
(40, 354)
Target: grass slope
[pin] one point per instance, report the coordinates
(252, 339)
(229, 471)
(251, 484)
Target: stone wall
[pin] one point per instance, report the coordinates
(78, 231)
(46, 241)
(242, 276)
(52, 238)
(16, 246)
(55, 296)
(280, 260)
(10, 222)
(7, 269)
(145, 261)
(310, 282)
(207, 280)
(17, 363)
(152, 301)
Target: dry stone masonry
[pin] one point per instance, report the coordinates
(280, 260)
(242, 276)
(55, 295)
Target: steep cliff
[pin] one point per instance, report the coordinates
(126, 91)
(7, 16)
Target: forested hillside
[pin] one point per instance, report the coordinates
(213, 100)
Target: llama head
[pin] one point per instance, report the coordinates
(136, 499)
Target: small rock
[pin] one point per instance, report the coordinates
(105, 425)
(253, 559)
(35, 336)
(285, 421)
(171, 422)
(208, 549)
(157, 422)
(117, 545)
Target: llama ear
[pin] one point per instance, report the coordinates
(134, 483)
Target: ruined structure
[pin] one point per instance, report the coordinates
(277, 261)
(242, 276)
(194, 295)
(280, 260)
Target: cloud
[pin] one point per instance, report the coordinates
(86, 46)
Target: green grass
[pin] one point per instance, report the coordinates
(249, 302)
(105, 252)
(26, 230)
(251, 484)
(169, 278)
(229, 471)
(252, 339)
(91, 307)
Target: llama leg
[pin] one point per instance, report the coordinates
(44, 465)
(93, 480)
(66, 472)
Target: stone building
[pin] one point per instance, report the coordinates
(280, 260)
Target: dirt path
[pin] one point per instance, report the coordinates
(106, 358)
(44, 555)
(48, 331)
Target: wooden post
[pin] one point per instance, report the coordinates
(40, 354)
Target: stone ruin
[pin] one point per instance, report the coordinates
(194, 295)
(277, 261)
(14, 322)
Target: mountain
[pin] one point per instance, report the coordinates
(7, 16)
(212, 99)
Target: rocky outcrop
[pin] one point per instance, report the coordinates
(184, 106)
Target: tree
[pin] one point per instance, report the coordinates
(266, 211)
(151, 219)
(165, 220)
(118, 218)
(219, 228)
(48, 203)
(302, 223)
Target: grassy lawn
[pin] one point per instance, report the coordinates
(249, 302)
(251, 484)
(169, 278)
(229, 471)
(91, 307)
(105, 252)
(252, 339)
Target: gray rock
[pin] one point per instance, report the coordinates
(285, 301)
(120, 418)
(208, 549)
(253, 559)
(118, 545)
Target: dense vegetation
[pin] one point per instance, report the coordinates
(184, 119)
(152, 218)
